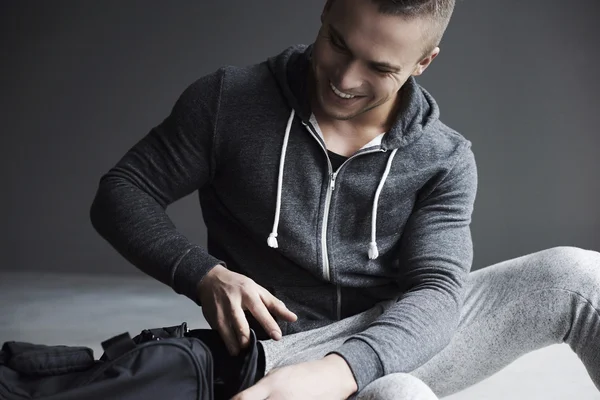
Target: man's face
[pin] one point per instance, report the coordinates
(361, 58)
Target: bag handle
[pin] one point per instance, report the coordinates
(117, 346)
(120, 344)
(42, 360)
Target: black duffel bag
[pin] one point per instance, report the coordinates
(162, 363)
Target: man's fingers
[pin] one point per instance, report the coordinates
(227, 333)
(240, 326)
(277, 306)
(264, 317)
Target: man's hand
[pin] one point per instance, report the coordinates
(225, 295)
(329, 379)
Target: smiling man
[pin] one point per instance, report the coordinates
(338, 207)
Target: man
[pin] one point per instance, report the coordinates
(338, 206)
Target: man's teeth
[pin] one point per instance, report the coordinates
(340, 94)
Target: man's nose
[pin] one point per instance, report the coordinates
(349, 77)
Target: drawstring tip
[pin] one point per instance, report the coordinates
(373, 252)
(272, 240)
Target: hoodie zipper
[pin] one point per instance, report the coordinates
(330, 189)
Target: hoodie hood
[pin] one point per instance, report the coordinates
(418, 110)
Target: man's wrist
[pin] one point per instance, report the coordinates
(343, 372)
(214, 270)
(201, 284)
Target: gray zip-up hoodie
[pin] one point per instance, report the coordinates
(391, 223)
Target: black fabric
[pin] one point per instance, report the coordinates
(41, 360)
(336, 159)
(163, 363)
(232, 374)
(117, 346)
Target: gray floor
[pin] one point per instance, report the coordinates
(85, 310)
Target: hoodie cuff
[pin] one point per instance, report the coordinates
(362, 360)
(191, 269)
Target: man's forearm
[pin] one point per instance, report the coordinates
(138, 227)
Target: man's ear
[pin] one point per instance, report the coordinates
(425, 62)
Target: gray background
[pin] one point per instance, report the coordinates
(82, 81)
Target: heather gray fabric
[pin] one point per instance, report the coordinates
(398, 386)
(511, 308)
(223, 139)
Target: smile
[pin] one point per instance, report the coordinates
(339, 93)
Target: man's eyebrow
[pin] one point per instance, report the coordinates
(376, 64)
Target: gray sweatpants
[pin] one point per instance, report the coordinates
(511, 308)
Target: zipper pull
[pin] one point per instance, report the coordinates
(333, 176)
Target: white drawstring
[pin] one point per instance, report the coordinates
(373, 251)
(272, 240)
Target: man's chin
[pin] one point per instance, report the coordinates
(339, 113)
(340, 116)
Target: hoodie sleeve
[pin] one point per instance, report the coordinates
(173, 160)
(436, 255)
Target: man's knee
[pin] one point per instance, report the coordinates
(397, 386)
(567, 264)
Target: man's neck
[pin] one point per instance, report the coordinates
(348, 136)
(352, 128)
(343, 137)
